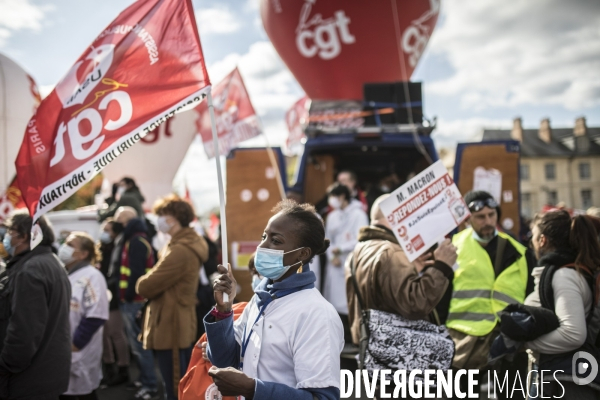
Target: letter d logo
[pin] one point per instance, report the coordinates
(584, 364)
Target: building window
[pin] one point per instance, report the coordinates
(552, 197)
(586, 199)
(524, 172)
(526, 208)
(550, 170)
(585, 171)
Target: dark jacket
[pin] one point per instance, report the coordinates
(132, 198)
(35, 337)
(112, 282)
(134, 238)
(389, 282)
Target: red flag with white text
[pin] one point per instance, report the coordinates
(235, 117)
(144, 67)
(296, 118)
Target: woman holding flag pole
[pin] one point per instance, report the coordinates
(287, 342)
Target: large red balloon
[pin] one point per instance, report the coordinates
(334, 46)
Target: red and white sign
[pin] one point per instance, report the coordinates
(235, 117)
(142, 69)
(296, 119)
(333, 47)
(424, 210)
(10, 200)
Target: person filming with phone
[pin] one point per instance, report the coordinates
(287, 343)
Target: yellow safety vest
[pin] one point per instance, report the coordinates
(478, 296)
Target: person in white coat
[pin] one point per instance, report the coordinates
(89, 312)
(341, 228)
(287, 342)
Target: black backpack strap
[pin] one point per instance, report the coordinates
(545, 288)
(364, 320)
(361, 303)
(501, 246)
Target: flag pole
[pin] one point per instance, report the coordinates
(275, 166)
(213, 125)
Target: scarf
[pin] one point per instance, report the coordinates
(267, 290)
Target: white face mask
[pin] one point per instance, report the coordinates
(334, 203)
(163, 225)
(482, 240)
(120, 191)
(65, 254)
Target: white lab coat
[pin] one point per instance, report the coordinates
(89, 299)
(297, 342)
(341, 229)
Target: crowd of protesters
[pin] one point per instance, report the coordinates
(71, 315)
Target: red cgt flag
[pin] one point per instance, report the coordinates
(144, 67)
(296, 118)
(235, 117)
(10, 200)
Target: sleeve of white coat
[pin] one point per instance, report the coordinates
(358, 220)
(317, 345)
(328, 234)
(95, 297)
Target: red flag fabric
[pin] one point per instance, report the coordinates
(10, 200)
(235, 117)
(296, 119)
(144, 67)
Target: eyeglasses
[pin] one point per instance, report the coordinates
(478, 205)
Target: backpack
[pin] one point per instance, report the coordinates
(592, 342)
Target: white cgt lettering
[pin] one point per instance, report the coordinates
(126, 109)
(78, 140)
(325, 40)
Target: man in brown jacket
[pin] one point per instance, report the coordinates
(388, 281)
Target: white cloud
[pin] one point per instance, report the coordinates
(449, 132)
(45, 90)
(527, 52)
(252, 5)
(20, 14)
(217, 20)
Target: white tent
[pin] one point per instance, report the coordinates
(19, 98)
(154, 161)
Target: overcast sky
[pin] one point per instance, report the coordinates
(486, 62)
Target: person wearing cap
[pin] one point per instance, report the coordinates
(494, 270)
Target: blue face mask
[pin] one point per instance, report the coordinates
(7, 246)
(269, 263)
(256, 280)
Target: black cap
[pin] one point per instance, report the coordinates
(474, 195)
(481, 195)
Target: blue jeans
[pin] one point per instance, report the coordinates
(165, 364)
(144, 358)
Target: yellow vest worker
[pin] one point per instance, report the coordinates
(493, 272)
(478, 295)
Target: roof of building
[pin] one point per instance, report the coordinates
(563, 143)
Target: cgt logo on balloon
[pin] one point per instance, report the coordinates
(322, 37)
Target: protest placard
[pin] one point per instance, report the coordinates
(424, 210)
